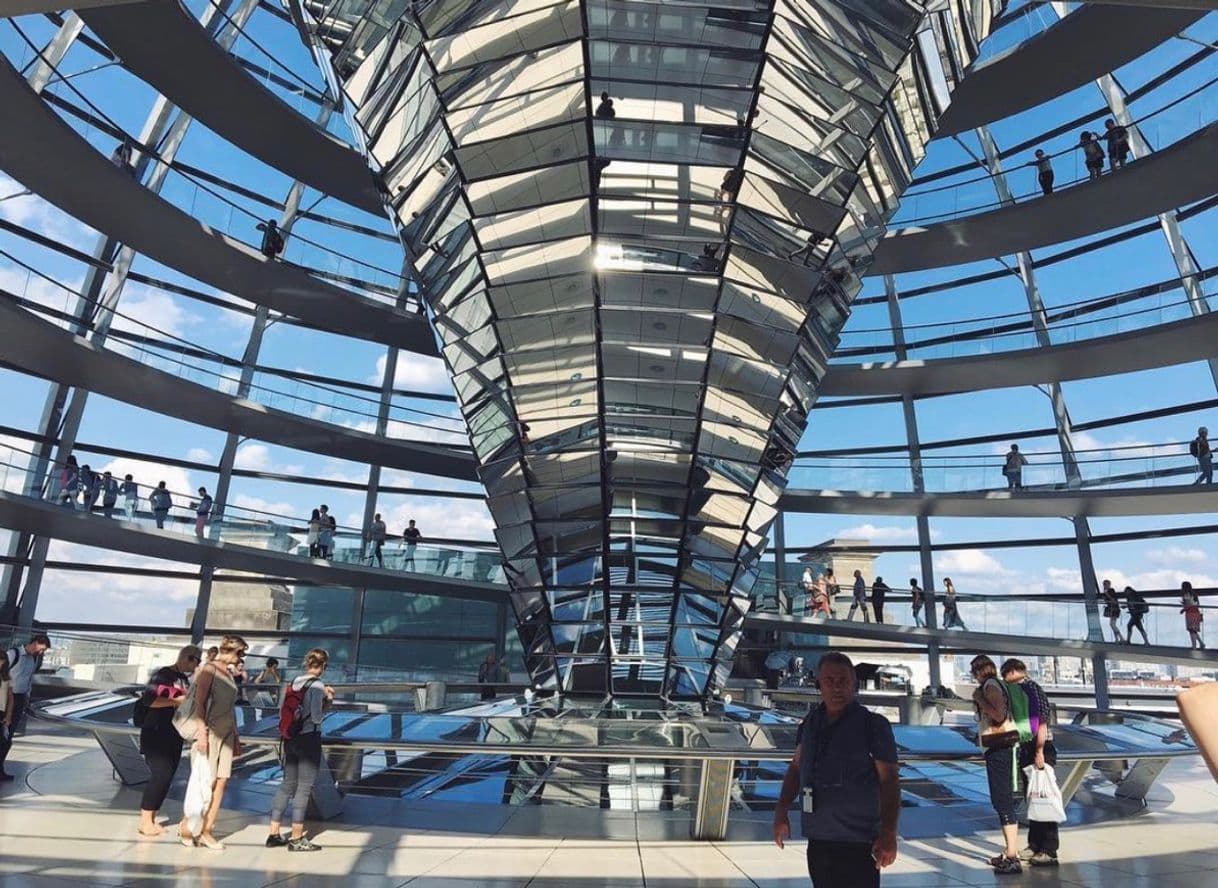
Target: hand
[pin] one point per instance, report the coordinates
(782, 829)
(201, 740)
(328, 693)
(1039, 760)
(884, 850)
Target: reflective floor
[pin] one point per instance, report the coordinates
(65, 821)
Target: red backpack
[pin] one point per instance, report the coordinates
(291, 718)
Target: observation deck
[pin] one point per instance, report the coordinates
(1091, 41)
(38, 146)
(161, 42)
(1169, 178)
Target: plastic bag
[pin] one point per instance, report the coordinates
(1044, 796)
(198, 791)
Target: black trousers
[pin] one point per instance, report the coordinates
(842, 865)
(877, 605)
(163, 754)
(1042, 835)
(1000, 774)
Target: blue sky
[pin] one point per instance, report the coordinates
(1142, 260)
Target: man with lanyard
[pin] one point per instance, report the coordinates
(1042, 836)
(845, 773)
(24, 663)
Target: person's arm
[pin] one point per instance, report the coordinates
(786, 798)
(884, 849)
(206, 676)
(8, 704)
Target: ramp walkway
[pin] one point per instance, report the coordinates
(45, 519)
(1101, 503)
(45, 154)
(162, 43)
(1088, 43)
(1163, 345)
(987, 642)
(36, 345)
(1176, 176)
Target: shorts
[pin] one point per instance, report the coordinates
(220, 754)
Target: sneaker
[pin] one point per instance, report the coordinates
(1042, 858)
(1025, 854)
(302, 844)
(1008, 866)
(276, 840)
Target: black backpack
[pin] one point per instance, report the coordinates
(1194, 448)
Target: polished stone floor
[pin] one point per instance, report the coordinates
(65, 822)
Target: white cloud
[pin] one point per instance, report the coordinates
(38, 215)
(455, 519)
(875, 534)
(283, 511)
(970, 562)
(254, 457)
(416, 372)
(199, 454)
(142, 306)
(1177, 555)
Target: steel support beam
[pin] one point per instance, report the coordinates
(918, 478)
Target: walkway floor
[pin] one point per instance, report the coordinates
(1174, 177)
(1085, 45)
(65, 823)
(162, 42)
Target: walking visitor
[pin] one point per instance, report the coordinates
(1137, 607)
(325, 536)
(844, 774)
(1039, 753)
(879, 592)
(917, 598)
(998, 735)
(859, 598)
(1093, 155)
(161, 502)
(1012, 468)
(202, 512)
(1200, 450)
(1117, 138)
(951, 607)
(300, 728)
(1044, 171)
(1190, 606)
(131, 496)
(23, 662)
(212, 724)
(411, 536)
(109, 494)
(376, 535)
(313, 534)
(1112, 610)
(160, 743)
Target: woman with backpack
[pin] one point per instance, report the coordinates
(214, 723)
(160, 742)
(1138, 609)
(300, 728)
(999, 737)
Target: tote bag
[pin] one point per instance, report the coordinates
(1044, 796)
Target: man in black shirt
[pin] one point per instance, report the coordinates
(845, 772)
(411, 536)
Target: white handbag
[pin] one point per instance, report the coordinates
(1044, 796)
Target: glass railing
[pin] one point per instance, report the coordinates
(224, 214)
(324, 403)
(1061, 616)
(1162, 465)
(1074, 322)
(1163, 126)
(440, 557)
